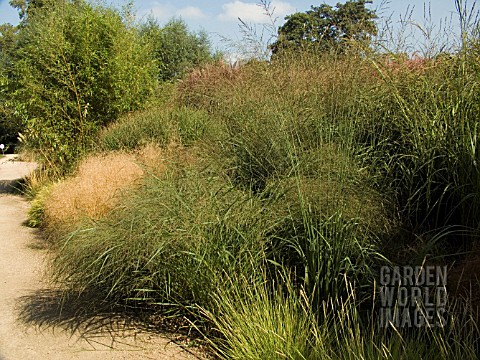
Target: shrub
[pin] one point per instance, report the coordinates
(9, 125)
(79, 66)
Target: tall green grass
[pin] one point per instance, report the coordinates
(174, 239)
(421, 133)
(319, 167)
(257, 322)
(170, 242)
(156, 125)
(411, 129)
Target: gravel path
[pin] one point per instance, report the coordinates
(31, 323)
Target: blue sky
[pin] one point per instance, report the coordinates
(219, 18)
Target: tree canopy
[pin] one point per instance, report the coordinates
(176, 49)
(327, 28)
(27, 7)
(69, 69)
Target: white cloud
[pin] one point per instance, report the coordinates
(251, 12)
(191, 12)
(159, 11)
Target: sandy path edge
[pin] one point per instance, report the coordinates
(21, 282)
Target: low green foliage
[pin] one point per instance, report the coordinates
(161, 126)
(134, 130)
(36, 212)
(258, 322)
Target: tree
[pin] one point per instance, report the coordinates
(78, 66)
(325, 28)
(9, 128)
(176, 49)
(11, 125)
(27, 7)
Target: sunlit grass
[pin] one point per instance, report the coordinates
(302, 177)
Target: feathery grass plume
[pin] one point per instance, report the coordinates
(92, 192)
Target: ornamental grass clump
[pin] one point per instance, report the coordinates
(92, 192)
(170, 241)
(159, 126)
